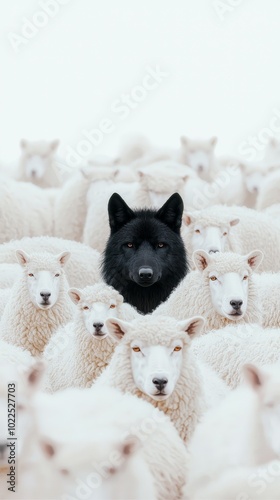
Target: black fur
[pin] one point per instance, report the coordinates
(145, 229)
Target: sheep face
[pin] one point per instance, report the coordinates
(198, 155)
(37, 158)
(43, 281)
(211, 238)
(95, 310)
(161, 184)
(265, 382)
(156, 364)
(228, 290)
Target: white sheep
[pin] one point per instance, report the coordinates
(81, 270)
(153, 361)
(37, 163)
(34, 477)
(228, 349)
(221, 290)
(5, 294)
(242, 431)
(26, 210)
(79, 351)
(259, 482)
(15, 355)
(199, 155)
(8, 274)
(269, 193)
(253, 230)
(70, 208)
(111, 445)
(39, 302)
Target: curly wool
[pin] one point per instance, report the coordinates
(228, 349)
(268, 286)
(255, 231)
(81, 270)
(187, 402)
(22, 324)
(74, 357)
(192, 296)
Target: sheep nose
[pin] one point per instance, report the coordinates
(236, 304)
(33, 173)
(45, 295)
(160, 383)
(200, 168)
(145, 273)
(98, 326)
(213, 250)
(3, 447)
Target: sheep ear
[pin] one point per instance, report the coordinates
(213, 141)
(75, 295)
(192, 326)
(119, 212)
(171, 212)
(23, 143)
(116, 328)
(188, 218)
(253, 375)
(35, 373)
(54, 145)
(233, 222)
(201, 259)
(22, 257)
(63, 258)
(254, 259)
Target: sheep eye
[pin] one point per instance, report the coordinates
(136, 349)
(213, 278)
(197, 231)
(112, 306)
(57, 275)
(225, 233)
(85, 308)
(130, 245)
(245, 278)
(31, 275)
(161, 245)
(177, 348)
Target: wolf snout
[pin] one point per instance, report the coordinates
(146, 273)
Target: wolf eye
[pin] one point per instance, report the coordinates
(245, 277)
(177, 348)
(112, 306)
(161, 245)
(213, 278)
(85, 308)
(31, 275)
(197, 231)
(130, 245)
(136, 349)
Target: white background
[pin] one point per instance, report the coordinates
(223, 75)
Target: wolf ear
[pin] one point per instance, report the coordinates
(119, 212)
(171, 212)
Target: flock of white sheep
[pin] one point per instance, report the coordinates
(88, 426)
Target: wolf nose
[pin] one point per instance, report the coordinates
(146, 273)
(236, 304)
(3, 446)
(45, 295)
(160, 383)
(98, 326)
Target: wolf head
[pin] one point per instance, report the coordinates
(145, 258)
